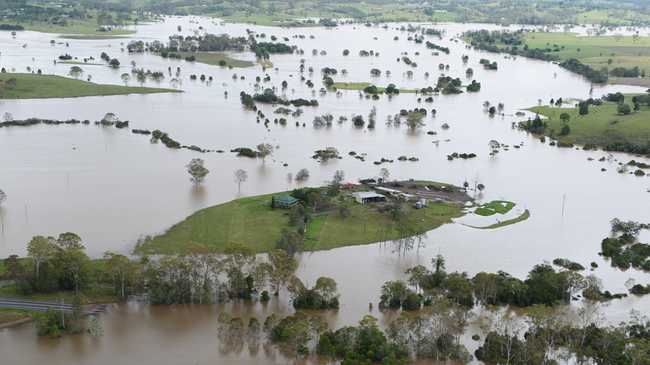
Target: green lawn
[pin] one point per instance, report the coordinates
(597, 51)
(251, 221)
(33, 86)
(495, 207)
(602, 126)
(363, 85)
(367, 225)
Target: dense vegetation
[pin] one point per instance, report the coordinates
(625, 344)
(544, 285)
(623, 249)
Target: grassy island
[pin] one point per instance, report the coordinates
(341, 221)
(363, 86)
(604, 126)
(216, 59)
(33, 86)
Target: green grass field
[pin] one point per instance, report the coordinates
(597, 51)
(366, 225)
(251, 221)
(363, 85)
(32, 86)
(602, 126)
(495, 207)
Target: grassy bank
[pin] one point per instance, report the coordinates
(95, 295)
(32, 86)
(363, 85)
(9, 317)
(251, 221)
(93, 36)
(598, 51)
(601, 127)
(525, 215)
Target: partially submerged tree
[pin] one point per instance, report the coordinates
(240, 177)
(384, 174)
(125, 78)
(302, 175)
(76, 72)
(197, 171)
(264, 150)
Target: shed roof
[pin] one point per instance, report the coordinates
(367, 194)
(285, 199)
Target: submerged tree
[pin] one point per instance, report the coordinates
(3, 196)
(197, 171)
(264, 150)
(125, 78)
(240, 177)
(76, 72)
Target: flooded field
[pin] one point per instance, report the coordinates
(113, 187)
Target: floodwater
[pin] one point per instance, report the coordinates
(113, 187)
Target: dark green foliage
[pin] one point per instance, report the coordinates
(323, 295)
(245, 152)
(263, 50)
(437, 47)
(448, 85)
(474, 86)
(568, 264)
(364, 344)
(157, 135)
(572, 64)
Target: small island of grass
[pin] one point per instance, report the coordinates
(34, 86)
(494, 207)
(495, 214)
(611, 125)
(316, 218)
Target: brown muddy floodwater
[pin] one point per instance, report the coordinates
(113, 187)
